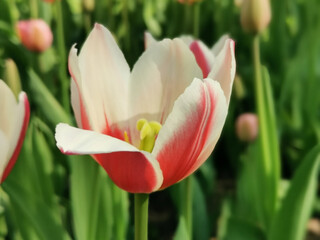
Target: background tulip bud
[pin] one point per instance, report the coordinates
(49, 1)
(255, 15)
(88, 5)
(35, 34)
(239, 88)
(247, 127)
(12, 77)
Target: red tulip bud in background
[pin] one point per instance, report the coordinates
(247, 127)
(35, 34)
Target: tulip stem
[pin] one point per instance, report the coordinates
(33, 9)
(186, 203)
(141, 203)
(62, 57)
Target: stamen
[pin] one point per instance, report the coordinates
(148, 133)
(126, 137)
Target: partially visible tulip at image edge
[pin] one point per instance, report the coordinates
(151, 127)
(14, 119)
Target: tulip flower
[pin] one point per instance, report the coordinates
(35, 34)
(154, 126)
(14, 119)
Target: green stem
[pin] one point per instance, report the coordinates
(186, 202)
(62, 57)
(33, 9)
(257, 68)
(141, 202)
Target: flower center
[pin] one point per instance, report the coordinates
(148, 133)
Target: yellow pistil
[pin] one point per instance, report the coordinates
(148, 133)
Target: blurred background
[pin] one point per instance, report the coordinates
(49, 195)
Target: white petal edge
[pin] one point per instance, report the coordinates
(224, 68)
(4, 147)
(218, 46)
(148, 40)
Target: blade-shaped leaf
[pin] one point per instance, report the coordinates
(291, 219)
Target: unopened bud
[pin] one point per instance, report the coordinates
(49, 1)
(255, 15)
(239, 88)
(12, 77)
(35, 34)
(88, 5)
(247, 127)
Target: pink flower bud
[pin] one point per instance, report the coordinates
(49, 1)
(35, 34)
(247, 127)
(255, 15)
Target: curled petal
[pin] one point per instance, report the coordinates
(224, 68)
(191, 131)
(131, 169)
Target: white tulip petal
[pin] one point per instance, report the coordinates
(103, 80)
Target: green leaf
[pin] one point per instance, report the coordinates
(268, 157)
(33, 212)
(200, 219)
(46, 101)
(182, 232)
(94, 199)
(291, 219)
(232, 227)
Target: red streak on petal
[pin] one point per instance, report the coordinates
(130, 171)
(84, 117)
(179, 157)
(200, 58)
(16, 152)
